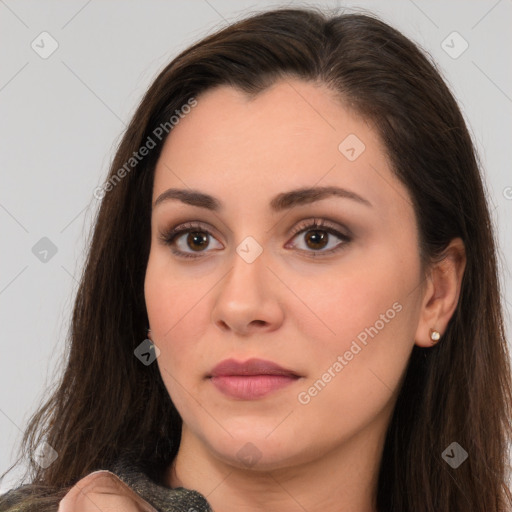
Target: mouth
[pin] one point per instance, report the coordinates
(251, 379)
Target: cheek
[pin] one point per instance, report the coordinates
(354, 298)
(177, 333)
(356, 369)
(172, 305)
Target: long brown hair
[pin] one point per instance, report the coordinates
(107, 403)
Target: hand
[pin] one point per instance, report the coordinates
(102, 491)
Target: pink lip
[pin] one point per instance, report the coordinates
(251, 379)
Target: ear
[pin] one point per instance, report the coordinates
(441, 293)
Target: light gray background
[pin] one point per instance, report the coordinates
(62, 116)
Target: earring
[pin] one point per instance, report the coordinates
(435, 336)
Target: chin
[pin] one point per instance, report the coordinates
(258, 452)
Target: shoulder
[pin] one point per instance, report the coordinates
(103, 490)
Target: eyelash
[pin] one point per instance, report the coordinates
(169, 237)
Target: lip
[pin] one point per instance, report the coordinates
(232, 367)
(251, 379)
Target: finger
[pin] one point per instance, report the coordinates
(102, 491)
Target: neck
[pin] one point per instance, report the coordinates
(341, 480)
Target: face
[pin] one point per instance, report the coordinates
(325, 285)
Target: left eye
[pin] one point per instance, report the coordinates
(320, 239)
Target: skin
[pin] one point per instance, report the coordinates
(102, 491)
(291, 305)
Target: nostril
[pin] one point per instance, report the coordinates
(223, 324)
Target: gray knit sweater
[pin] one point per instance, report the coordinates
(162, 498)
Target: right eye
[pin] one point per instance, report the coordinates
(197, 239)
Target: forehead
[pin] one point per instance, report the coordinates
(286, 137)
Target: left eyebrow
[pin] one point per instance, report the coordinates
(283, 201)
(303, 196)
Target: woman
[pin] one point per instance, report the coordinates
(291, 298)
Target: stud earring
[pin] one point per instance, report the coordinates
(435, 336)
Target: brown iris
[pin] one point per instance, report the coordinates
(197, 237)
(318, 238)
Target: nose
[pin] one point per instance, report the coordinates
(247, 300)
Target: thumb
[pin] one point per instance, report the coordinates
(103, 490)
